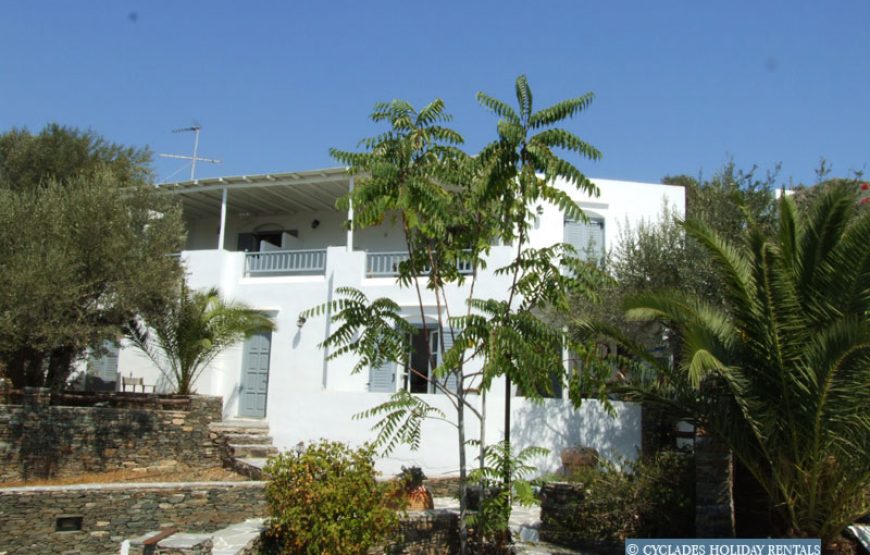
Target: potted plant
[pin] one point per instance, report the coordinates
(416, 494)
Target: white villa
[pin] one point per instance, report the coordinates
(277, 243)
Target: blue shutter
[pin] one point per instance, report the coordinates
(450, 381)
(383, 378)
(586, 238)
(595, 231)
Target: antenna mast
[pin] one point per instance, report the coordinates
(195, 158)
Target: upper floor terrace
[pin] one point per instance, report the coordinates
(287, 224)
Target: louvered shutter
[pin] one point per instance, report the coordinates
(383, 378)
(451, 381)
(586, 238)
(595, 237)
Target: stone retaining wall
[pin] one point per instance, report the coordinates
(560, 503)
(433, 532)
(42, 441)
(111, 513)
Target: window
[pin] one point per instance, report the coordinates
(383, 379)
(102, 370)
(587, 238)
(418, 369)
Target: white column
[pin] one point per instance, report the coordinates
(350, 219)
(223, 225)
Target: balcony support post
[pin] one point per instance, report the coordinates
(223, 224)
(350, 219)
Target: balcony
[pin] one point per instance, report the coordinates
(386, 264)
(310, 262)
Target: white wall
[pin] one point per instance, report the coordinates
(310, 397)
(618, 203)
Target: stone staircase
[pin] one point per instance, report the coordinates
(246, 445)
(243, 538)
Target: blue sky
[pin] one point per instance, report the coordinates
(680, 87)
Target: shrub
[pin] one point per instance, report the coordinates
(326, 500)
(653, 498)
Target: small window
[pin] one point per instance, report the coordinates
(68, 524)
(587, 238)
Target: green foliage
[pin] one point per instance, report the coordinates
(521, 166)
(645, 499)
(183, 336)
(656, 256)
(452, 208)
(411, 477)
(490, 522)
(373, 330)
(327, 500)
(784, 363)
(400, 421)
(81, 256)
(63, 154)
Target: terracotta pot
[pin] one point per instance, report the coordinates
(419, 499)
(577, 458)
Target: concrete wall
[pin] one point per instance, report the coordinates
(40, 441)
(111, 513)
(310, 397)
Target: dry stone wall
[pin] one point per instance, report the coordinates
(432, 532)
(561, 502)
(111, 513)
(41, 441)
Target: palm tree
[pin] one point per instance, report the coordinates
(785, 363)
(185, 336)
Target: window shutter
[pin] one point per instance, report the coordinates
(586, 238)
(383, 378)
(596, 239)
(451, 381)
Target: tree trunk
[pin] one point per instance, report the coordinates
(16, 368)
(463, 485)
(59, 368)
(714, 487)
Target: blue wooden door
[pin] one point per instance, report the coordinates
(254, 388)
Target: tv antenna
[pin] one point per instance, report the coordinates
(195, 128)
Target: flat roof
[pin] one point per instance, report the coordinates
(263, 194)
(280, 193)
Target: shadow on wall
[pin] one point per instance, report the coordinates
(556, 424)
(230, 402)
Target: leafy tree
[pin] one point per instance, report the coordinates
(657, 255)
(185, 335)
(451, 209)
(83, 245)
(784, 362)
(60, 154)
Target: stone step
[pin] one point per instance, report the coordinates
(254, 451)
(238, 539)
(240, 426)
(256, 462)
(242, 538)
(235, 438)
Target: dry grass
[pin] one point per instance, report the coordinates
(168, 473)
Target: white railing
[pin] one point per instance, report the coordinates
(299, 262)
(386, 264)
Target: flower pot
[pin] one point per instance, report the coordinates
(419, 498)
